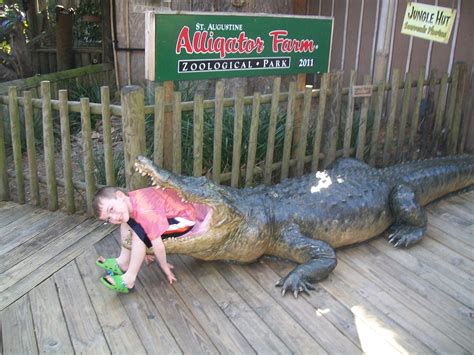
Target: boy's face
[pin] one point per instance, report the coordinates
(115, 210)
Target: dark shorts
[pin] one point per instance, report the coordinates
(140, 232)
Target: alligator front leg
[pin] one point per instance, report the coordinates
(316, 258)
(410, 217)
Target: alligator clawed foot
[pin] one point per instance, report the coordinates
(405, 236)
(294, 284)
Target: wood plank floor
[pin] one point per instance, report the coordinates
(379, 300)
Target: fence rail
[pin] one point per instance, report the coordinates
(301, 131)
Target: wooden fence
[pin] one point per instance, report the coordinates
(102, 74)
(380, 124)
(83, 56)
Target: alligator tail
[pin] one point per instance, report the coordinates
(433, 178)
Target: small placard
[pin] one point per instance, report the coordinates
(362, 90)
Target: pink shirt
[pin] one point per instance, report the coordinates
(152, 207)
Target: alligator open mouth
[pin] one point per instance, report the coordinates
(172, 186)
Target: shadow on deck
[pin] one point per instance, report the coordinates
(378, 300)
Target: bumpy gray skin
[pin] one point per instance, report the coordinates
(304, 219)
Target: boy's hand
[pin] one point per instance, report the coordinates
(169, 274)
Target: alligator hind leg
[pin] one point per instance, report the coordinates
(316, 258)
(410, 217)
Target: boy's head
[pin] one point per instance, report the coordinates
(112, 205)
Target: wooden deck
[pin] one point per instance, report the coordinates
(379, 299)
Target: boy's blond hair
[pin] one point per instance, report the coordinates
(109, 192)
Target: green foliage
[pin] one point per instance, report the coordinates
(118, 166)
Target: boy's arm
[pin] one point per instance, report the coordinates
(160, 254)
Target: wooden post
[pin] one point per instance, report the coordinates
(387, 17)
(88, 155)
(4, 186)
(218, 126)
(31, 148)
(66, 150)
(133, 120)
(16, 143)
(107, 132)
(48, 144)
(64, 39)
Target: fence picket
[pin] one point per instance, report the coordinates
(429, 118)
(4, 185)
(88, 156)
(416, 112)
(443, 92)
(48, 145)
(237, 141)
(360, 151)
(66, 150)
(107, 136)
(467, 112)
(218, 122)
(330, 144)
(404, 116)
(253, 139)
(290, 116)
(267, 175)
(375, 143)
(177, 149)
(456, 125)
(158, 127)
(31, 148)
(387, 153)
(318, 128)
(453, 91)
(16, 143)
(349, 114)
(198, 134)
(301, 149)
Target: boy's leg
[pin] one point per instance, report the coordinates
(137, 255)
(124, 257)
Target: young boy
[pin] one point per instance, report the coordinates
(147, 214)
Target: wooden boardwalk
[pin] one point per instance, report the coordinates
(379, 299)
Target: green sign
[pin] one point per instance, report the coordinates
(190, 46)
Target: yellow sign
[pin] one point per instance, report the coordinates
(428, 22)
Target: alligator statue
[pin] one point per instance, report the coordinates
(304, 219)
